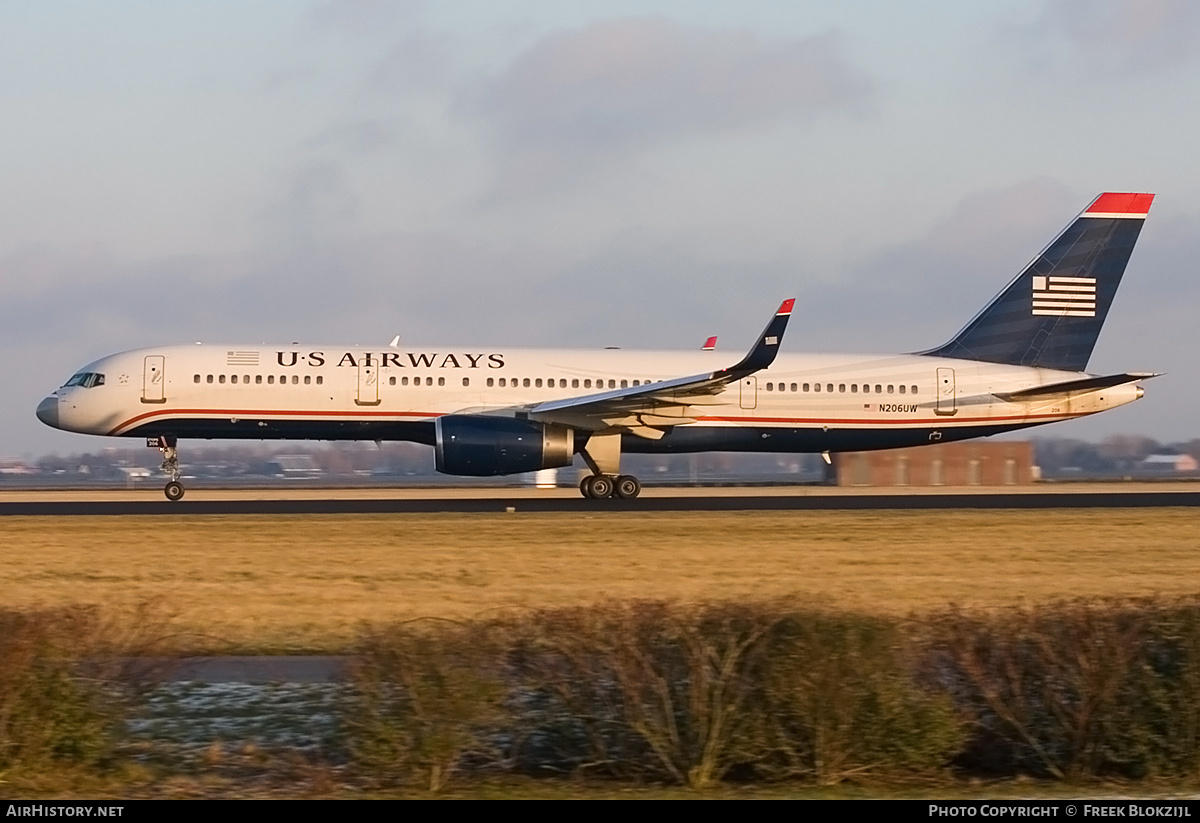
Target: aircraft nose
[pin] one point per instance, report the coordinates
(47, 411)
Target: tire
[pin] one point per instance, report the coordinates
(585, 487)
(173, 491)
(600, 486)
(627, 487)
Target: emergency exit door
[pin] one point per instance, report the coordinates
(154, 381)
(749, 398)
(368, 385)
(945, 392)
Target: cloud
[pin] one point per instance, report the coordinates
(316, 199)
(915, 295)
(414, 63)
(362, 17)
(1118, 36)
(577, 99)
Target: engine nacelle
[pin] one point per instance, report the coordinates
(482, 446)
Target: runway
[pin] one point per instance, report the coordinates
(209, 502)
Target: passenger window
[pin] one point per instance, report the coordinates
(282, 379)
(441, 381)
(805, 387)
(828, 387)
(637, 382)
(891, 388)
(307, 379)
(246, 379)
(233, 378)
(854, 388)
(270, 380)
(525, 382)
(197, 380)
(575, 383)
(491, 381)
(770, 387)
(624, 384)
(466, 381)
(502, 382)
(295, 379)
(587, 383)
(914, 390)
(221, 378)
(816, 387)
(878, 388)
(428, 381)
(538, 382)
(902, 389)
(612, 384)
(320, 379)
(841, 387)
(208, 379)
(258, 379)
(391, 381)
(403, 381)
(793, 387)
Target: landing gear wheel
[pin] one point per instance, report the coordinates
(628, 487)
(597, 487)
(173, 490)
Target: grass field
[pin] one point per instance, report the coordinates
(286, 584)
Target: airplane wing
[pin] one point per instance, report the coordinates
(648, 410)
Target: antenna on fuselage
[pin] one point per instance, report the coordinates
(395, 342)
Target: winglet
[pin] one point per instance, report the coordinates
(709, 344)
(764, 351)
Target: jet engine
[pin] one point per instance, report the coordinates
(481, 446)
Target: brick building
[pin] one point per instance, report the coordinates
(969, 463)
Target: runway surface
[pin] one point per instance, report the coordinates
(418, 501)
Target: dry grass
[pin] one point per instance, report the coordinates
(291, 583)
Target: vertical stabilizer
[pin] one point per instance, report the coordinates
(1050, 315)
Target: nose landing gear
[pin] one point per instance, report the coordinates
(166, 444)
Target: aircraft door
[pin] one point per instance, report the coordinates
(154, 379)
(749, 385)
(368, 385)
(945, 392)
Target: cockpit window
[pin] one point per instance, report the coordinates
(86, 379)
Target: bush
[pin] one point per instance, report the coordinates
(62, 678)
(1076, 690)
(426, 697)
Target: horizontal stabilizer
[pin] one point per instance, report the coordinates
(1082, 385)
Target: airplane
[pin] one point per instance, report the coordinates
(1020, 362)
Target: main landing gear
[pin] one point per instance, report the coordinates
(599, 486)
(174, 489)
(603, 456)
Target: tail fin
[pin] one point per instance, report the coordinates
(1050, 315)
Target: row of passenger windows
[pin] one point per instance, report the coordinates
(525, 382)
(258, 378)
(841, 387)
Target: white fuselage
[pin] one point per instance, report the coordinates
(802, 402)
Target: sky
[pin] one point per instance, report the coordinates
(582, 174)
